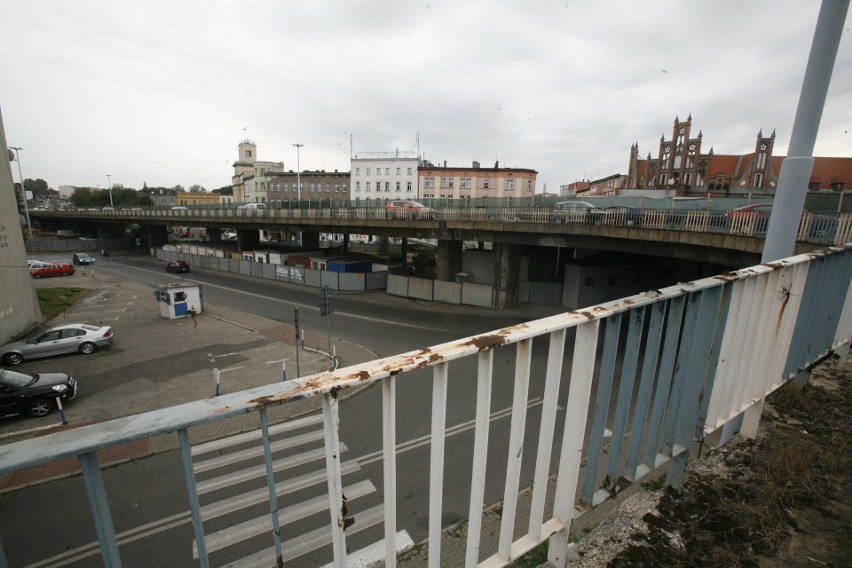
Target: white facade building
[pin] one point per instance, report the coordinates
(384, 175)
(251, 177)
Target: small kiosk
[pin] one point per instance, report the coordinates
(179, 300)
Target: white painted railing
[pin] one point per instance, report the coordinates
(648, 378)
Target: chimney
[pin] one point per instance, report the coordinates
(497, 165)
(445, 163)
(475, 164)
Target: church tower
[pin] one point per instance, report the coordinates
(762, 154)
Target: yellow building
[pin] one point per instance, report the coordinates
(190, 199)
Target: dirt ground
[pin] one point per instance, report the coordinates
(782, 500)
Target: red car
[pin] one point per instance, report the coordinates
(58, 269)
(407, 209)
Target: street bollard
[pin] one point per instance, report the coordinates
(61, 411)
(216, 371)
(284, 371)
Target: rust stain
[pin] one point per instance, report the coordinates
(485, 342)
(435, 357)
(361, 376)
(786, 293)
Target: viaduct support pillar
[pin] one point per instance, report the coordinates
(248, 239)
(507, 269)
(310, 241)
(449, 259)
(213, 235)
(158, 235)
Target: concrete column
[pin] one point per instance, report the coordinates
(507, 267)
(310, 241)
(158, 235)
(248, 239)
(213, 234)
(345, 243)
(449, 259)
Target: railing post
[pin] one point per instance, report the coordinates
(100, 509)
(436, 462)
(337, 504)
(389, 451)
(576, 412)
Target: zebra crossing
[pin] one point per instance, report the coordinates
(231, 485)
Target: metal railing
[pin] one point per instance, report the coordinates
(648, 378)
(817, 228)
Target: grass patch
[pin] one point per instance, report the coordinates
(54, 301)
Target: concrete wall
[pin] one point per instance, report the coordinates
(19, 309)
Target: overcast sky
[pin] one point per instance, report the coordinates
(161, 91)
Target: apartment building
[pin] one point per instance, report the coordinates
(475, 181)
(384, 175)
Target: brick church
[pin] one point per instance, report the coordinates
(680, 165)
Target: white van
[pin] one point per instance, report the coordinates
(67, 234)
(253, 206)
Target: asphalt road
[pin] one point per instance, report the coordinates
(386, 325)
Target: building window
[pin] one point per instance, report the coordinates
(529, 185)
(357, 171)
(485, 183)
(327, 187)
(357, 186)
(368, 186)
(337, 188)
(398, 171)
(813, 186)
(387, 186)
(398, 186)
(452, 182)
(248, 153)
(429, 182)
(409, 171)
(510, 184)
(465, 183)
(368, 171)
(408, 187)
(444, 182)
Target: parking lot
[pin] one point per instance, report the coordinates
(155, 362)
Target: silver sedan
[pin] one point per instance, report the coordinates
(67, 338)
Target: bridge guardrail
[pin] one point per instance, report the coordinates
(674, 366)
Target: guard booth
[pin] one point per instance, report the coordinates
(178, 300)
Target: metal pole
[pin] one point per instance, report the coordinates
(298, 174)
(24, 197)
(298, 373)
(796, 168)
(109, 184)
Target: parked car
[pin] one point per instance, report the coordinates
(58, 269)
(82, 258)
(68, 233)
(252, 206)
(68, 338)
(177, 266)
(576, 212)
(180, 208)
(407, 209)
(36, 264)
(33, 393)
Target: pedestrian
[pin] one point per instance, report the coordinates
(192, 315)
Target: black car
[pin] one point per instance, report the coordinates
(34, 394)
(177, 266)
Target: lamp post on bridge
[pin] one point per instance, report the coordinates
(109, 185)
(23, 195)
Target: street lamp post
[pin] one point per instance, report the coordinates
(109, 185)
(24, 196)
(298, 174)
